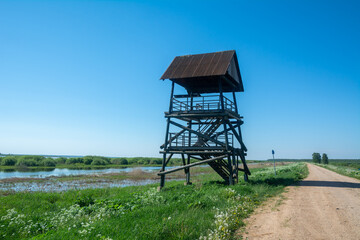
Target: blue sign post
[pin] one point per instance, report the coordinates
(273, 153)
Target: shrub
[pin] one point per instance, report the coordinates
(8, 161)
(91, 159)
(74, 160)
(156, 161)
(60, 160)
(27, 162)
(88, 161)
(49, 163)
(98, 161)
(119, 161)
(35, 158)
(84, 201)
(141, 160)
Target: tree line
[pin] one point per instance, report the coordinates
(41, 161)
(317, 158)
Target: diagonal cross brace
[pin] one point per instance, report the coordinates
(199, 134)
(191, 165)
(172, 139)
(236, 135)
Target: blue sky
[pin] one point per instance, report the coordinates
(82, 77)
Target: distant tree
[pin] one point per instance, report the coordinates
(98, 161)
(325, 159)
(316, 157)
(49, 162)
(8, 161)
(74, 160)
(60, 160)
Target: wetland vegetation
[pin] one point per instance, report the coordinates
(207, 209)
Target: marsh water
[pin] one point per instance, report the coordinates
(61, 172)
(50, 180)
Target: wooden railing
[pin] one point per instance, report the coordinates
(203, 103)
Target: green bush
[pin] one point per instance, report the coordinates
(102, 160)
(119, 161)
(35, 158)
(84, 201)
(88, 161)
(27, 162)
(156, 161)
(74, 160)
(60, 160)
(98, 161)
(8, 161)
(49, 163)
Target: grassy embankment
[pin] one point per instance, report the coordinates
(207, 209)
(350, 168)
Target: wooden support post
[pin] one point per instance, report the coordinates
(235, 168)
(164, 162)
(187, 170)
(241, 154)
(224, 119)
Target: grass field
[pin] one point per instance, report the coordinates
(350, 169)
(208, 209)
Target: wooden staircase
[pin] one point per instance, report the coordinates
(220, 166)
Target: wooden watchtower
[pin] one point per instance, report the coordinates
(203, 126)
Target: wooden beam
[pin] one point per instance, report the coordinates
(171, 139)
(191, 165)
(236, 135)
(195, 152)
(168, 159)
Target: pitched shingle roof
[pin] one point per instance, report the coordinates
(201, 73)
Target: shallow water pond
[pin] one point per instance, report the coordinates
(61, 172)
(51, 180)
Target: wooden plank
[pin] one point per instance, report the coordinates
(191, 165)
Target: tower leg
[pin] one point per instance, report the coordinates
(162, 178)
(231, 180)
(188, 172)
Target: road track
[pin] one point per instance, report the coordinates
(325, 205)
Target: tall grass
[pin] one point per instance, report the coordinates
(207, 209)
(351, 169)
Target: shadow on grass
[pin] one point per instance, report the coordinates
(275, 181)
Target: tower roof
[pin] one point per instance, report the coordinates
(200, 73)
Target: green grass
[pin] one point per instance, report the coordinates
(350, 170)
(205, 208)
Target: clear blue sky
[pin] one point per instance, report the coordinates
(82, 77)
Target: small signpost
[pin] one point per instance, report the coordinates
(273, 153)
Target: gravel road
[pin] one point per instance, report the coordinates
(325, 205)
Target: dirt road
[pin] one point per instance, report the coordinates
(326, 205)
